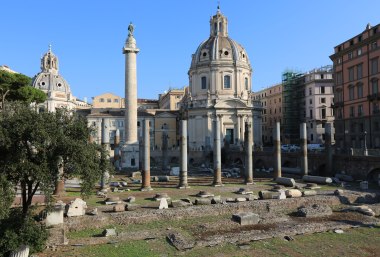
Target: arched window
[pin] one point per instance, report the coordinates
(203, 83)
(227, 82)
(246, 83)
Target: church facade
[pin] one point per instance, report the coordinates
(220, 88)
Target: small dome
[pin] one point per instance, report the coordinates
(219, 47)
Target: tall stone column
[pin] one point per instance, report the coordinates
(60, 185)
(303, 141)
(217, 154)
(277, 151)
(164, 149)
(329, 150)
(116, 155)
(242, 128)
(105, 144)
(183, 171)
(238, 129)
(145, 186)
(131, 147)
(105, 134)
(248, 157)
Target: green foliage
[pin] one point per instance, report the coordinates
(30, 95)
(15, 232)
(7, 195)
(17, 87)
(31, 144)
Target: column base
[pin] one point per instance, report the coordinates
(145, 189)
(183, 187)
(217, 185)
(249, 183)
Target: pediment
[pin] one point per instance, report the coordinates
(230, 103)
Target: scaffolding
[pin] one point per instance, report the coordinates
(291, 105)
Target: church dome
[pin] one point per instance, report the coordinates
(220, 67)
(219, 47)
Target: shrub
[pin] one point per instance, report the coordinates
(16, 230)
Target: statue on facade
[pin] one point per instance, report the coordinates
(131, 28)
(208, 93)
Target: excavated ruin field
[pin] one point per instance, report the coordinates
(192, 230)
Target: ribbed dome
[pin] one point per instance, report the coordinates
(219, 48)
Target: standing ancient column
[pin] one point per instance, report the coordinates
(116, 153)
(106, 146)
(329, 150)
(130, 50)
(248, 157)
(277, 151)
(106, 134)
(131, 147)
(145, 186)
(217, 154)
(303, 141)
(165, 153)
(60, 185)
(183, 171)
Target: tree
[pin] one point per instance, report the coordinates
(31, 144)
(17, 87)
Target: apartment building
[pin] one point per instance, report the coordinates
(357, 98)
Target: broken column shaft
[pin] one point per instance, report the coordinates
(248, 157)
(303, 141)
(183, 171)
(329, 150)
(217, 154)
(145, 186)
(277, 151)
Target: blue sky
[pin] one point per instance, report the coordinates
(88, 36)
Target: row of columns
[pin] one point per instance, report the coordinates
(183, 183)
(303, 144)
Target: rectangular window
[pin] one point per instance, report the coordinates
(323, 100)
(351, 74)
(310, 91)
(311, 114)
(109, 100)
(359, 71)
(339, 96)
(375, 108)
(323, 113)
(115, 100)
(310, 101)
(360, 91)
(360, 110)
(373, 45)
(102, 100)
(204, 83)
(350, 55)
(339, 78)
(227, 82)
(351, 93)
(374, 65)
(246, 83)
(359, 52)
(352, 111)
(322, 90)
(375, 88)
